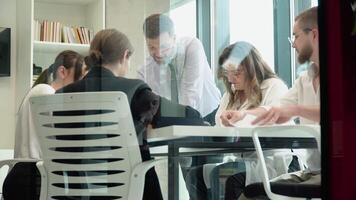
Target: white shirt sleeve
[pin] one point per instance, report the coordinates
(291, 97)
(141, 73)
(223, 104)
(275, 90)
(26, 141)
(192, 80)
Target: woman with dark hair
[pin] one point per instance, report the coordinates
(23, 181)
(68, 67)
(57, 75)
(109, 59)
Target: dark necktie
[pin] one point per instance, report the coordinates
(174, 85)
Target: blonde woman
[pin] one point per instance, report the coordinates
(250, 83)
(248, 79)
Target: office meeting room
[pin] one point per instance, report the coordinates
(177, 99)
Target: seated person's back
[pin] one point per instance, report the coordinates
(109, 57)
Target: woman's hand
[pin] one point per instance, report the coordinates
(230, 117)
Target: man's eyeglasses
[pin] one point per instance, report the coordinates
(295, 36)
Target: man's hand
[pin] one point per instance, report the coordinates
(275, 115)
(230, 117)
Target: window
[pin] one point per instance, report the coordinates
(314, 3)
(243, 20)
(182, 12)
(252, 21)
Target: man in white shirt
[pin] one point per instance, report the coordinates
(177, 69)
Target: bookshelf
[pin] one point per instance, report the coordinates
(70, 13)
(54, 47)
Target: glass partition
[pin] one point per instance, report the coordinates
(192, 77)
(245, 25)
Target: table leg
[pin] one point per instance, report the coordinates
(173, 172)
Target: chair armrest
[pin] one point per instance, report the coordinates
(12, 162)
(279, 131)
(137, 181)
(44, 186)
(294, 131)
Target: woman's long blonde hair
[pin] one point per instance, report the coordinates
(256, 70)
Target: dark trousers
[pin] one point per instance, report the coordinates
(235, 186)
(152, 188)
(22, 182)
(195, 184)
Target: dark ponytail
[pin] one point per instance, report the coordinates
(43, 78)
(108, 47)
(95, 58)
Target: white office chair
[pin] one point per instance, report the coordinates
(284, 131)
(89, 146)
(4, 154)
(6, 160)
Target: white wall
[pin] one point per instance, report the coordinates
(7, 84)
(127, 16)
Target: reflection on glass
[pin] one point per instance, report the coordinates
(246, 26)
(182, 14)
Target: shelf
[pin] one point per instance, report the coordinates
(69, 2)
(53, 47)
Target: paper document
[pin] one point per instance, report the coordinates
(246, 121)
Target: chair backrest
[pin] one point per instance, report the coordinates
(278, 131)
(88, 142)
(4, 154)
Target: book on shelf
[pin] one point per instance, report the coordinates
(80, 36)
(50, 31)
(84, 35)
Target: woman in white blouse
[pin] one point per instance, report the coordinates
(248, 79)
(67, 68)
(250, 83)
(22, 180)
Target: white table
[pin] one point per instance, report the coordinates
(176, 132)
(190, 138)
